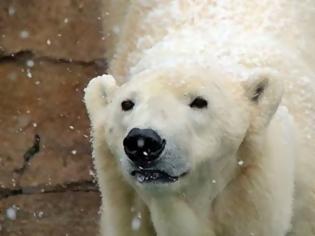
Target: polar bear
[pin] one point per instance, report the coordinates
(205, 124)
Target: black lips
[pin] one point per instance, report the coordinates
(147, 176)
(154, 176)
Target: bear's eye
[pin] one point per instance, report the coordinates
(199, 103)
(127, 105)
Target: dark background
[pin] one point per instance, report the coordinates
(49, 50)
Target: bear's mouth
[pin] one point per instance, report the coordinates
(154, 176)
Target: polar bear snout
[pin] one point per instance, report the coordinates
(143, 146)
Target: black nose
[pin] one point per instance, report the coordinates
(143, 146)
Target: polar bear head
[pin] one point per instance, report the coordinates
(164, 127)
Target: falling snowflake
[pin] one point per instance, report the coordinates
(30, 63)
(11, 213)
(11, 11)
(74, 152)
(24, 34)
(135, 225)
(240, 163)
(29, 73)
(40, 214)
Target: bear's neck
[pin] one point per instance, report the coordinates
(189, 211)
(173, 216)
(202, 209)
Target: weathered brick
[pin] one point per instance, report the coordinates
(66, 29)
(54, 214)
(45, 99)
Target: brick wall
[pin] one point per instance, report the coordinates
(49, 50)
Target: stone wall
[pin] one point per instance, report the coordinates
(49, 50)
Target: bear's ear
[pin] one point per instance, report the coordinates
(98, 93)
(264, 90)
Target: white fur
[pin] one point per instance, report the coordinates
(251, 163)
